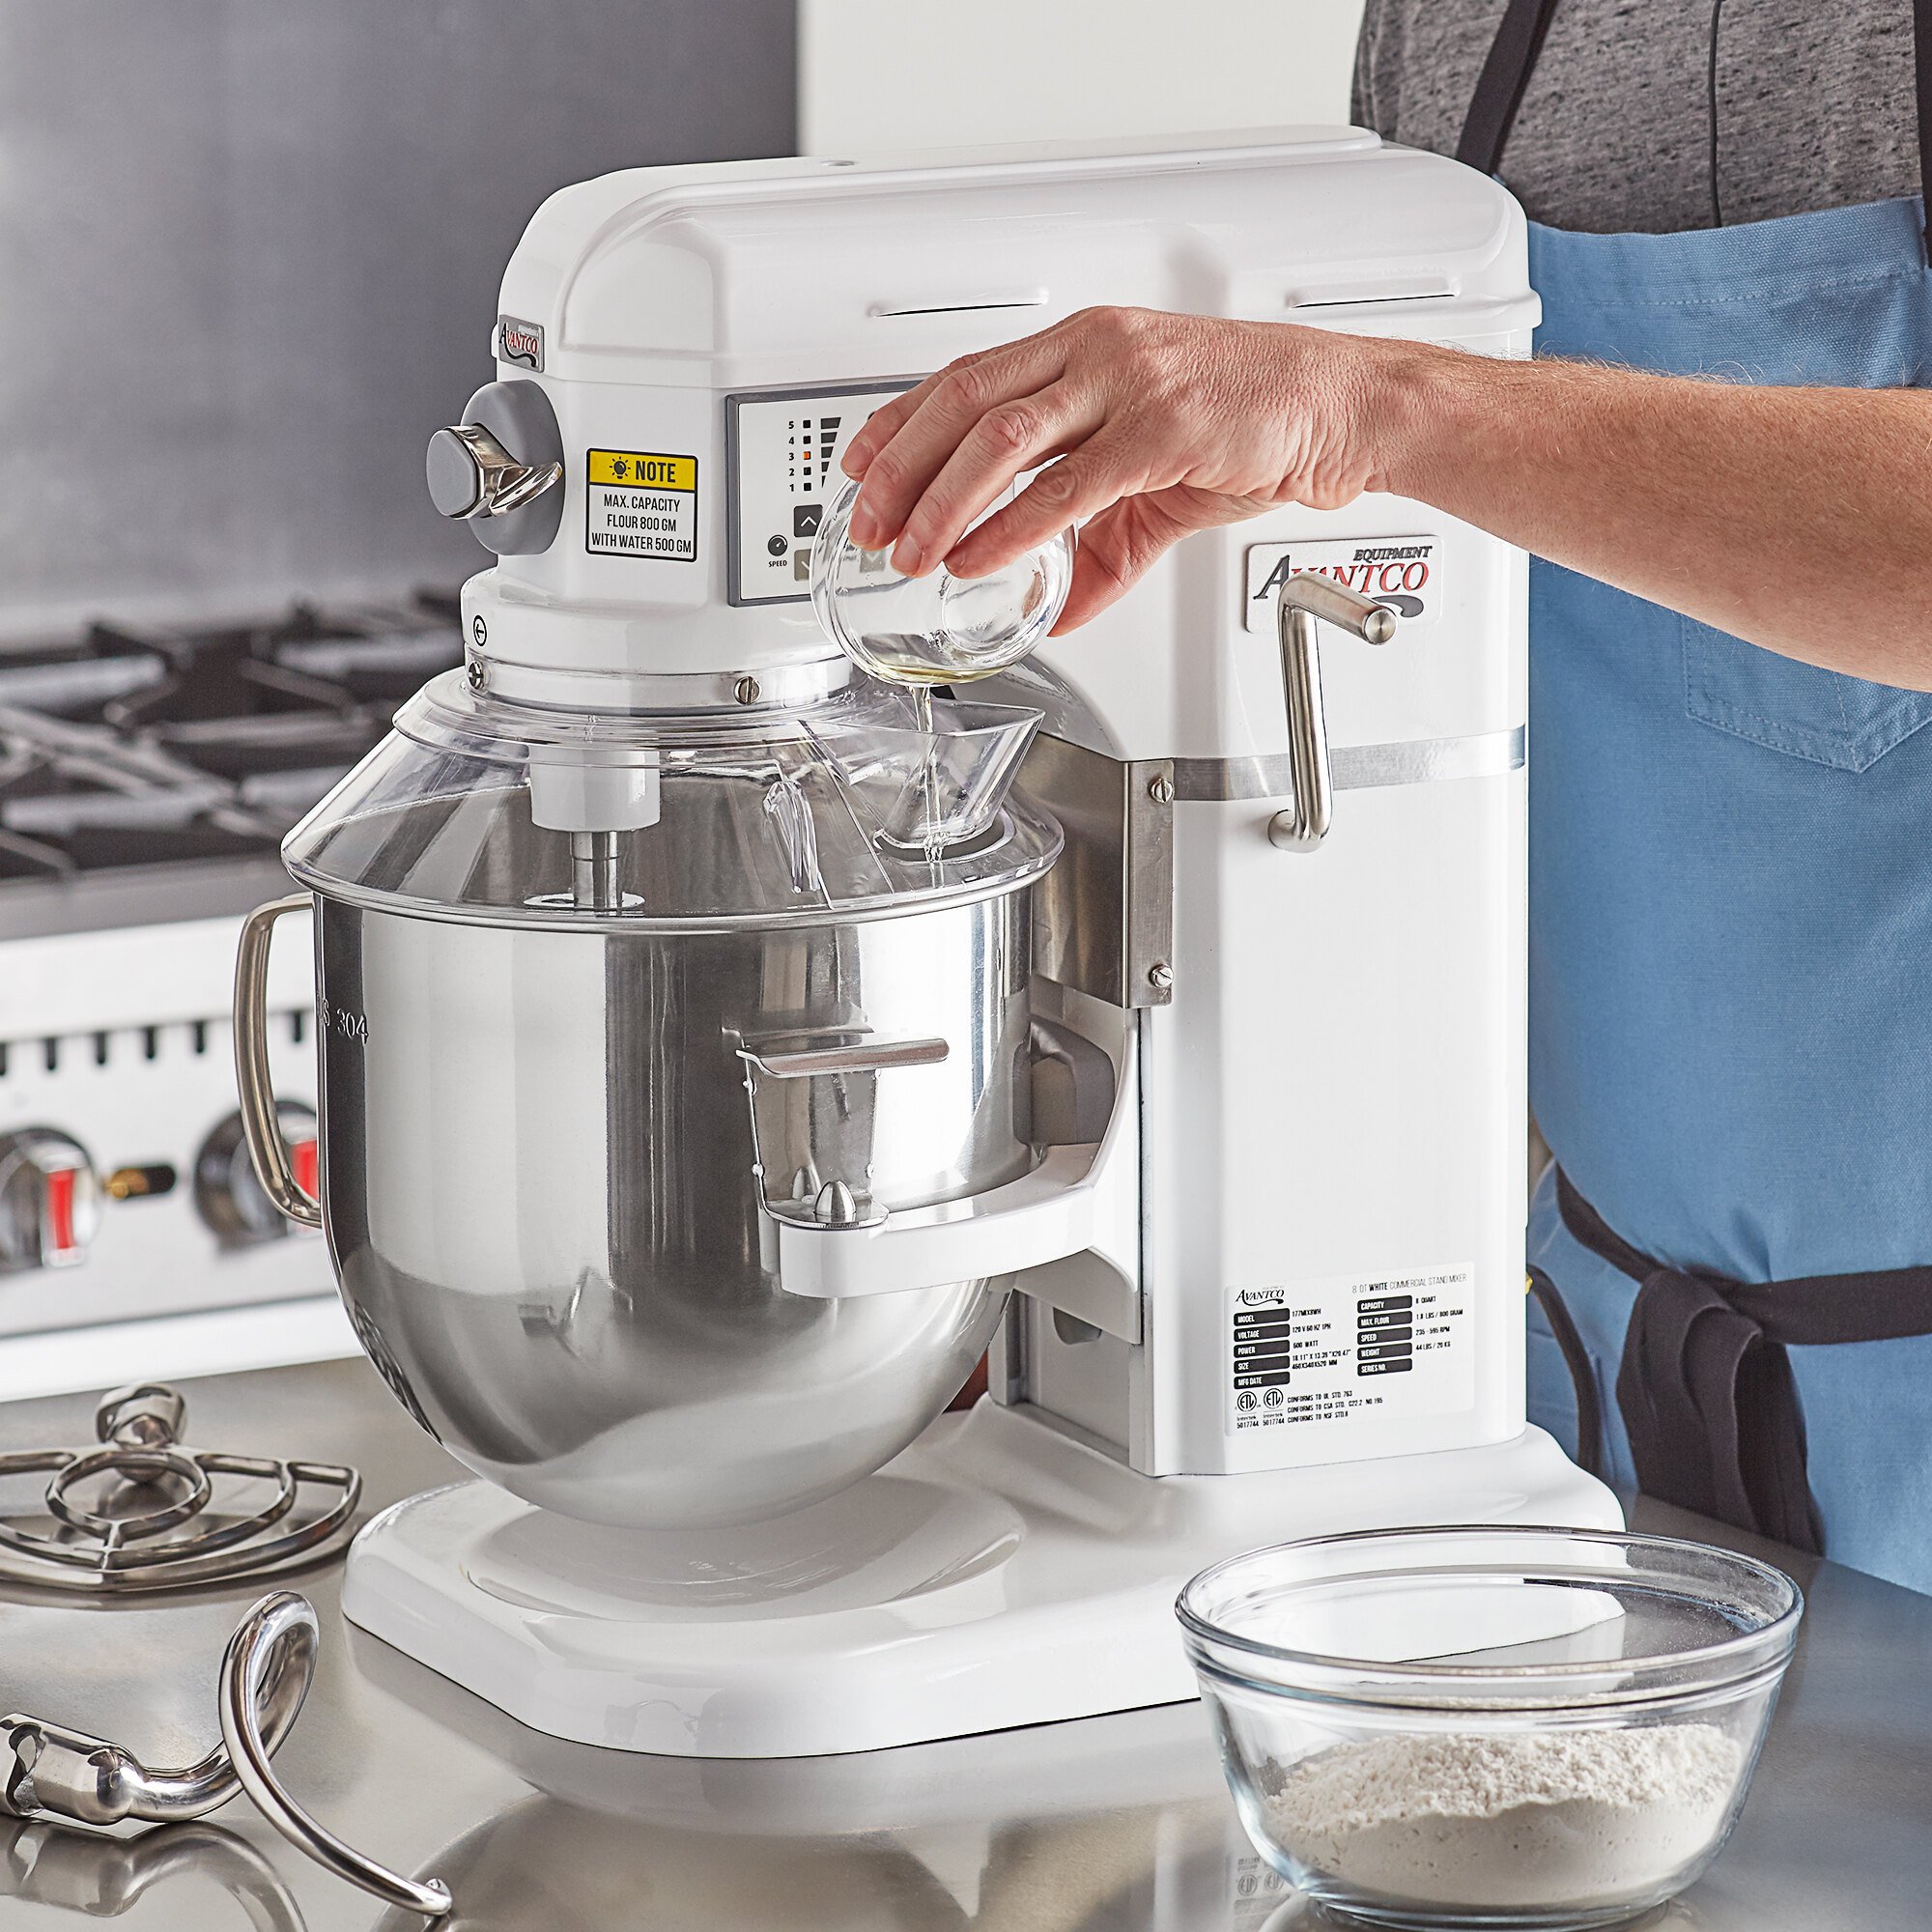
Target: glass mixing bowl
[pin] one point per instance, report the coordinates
(936, 629)
(1495, 1727)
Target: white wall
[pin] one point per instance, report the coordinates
(912, 73)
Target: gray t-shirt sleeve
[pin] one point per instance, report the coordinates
(1816, 105)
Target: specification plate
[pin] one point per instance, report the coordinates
(642, 502)
(1352, 1345)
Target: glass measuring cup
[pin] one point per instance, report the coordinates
(936, 629)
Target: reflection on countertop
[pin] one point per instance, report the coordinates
(106, 1878)
(1114, 1825)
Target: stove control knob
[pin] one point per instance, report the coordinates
(226, 1193)
(50, 1200)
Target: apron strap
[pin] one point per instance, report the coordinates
(1921, 69)
(1705, 1385)
(1582, 1376)
(1712, 1410)
(1519, 41)
(1512, 59)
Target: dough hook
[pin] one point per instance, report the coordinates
(56, 1776)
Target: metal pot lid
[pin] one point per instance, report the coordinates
(484, 811)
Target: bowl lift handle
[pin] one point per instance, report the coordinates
(261, 1126)
(1302, 825)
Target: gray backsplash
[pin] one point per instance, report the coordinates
(249, 252)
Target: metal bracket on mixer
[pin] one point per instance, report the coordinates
(829, 1199)
(1074, 1219)
(1063, 1206)
(1103, 917)
(1100, 1288)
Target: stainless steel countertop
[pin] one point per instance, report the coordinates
(1112, 1824)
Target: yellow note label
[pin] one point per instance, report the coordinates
(640, 502)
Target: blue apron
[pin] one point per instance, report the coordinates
(1731, 940)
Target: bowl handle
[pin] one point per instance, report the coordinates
(261, 1126)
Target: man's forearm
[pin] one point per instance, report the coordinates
(1799, 519)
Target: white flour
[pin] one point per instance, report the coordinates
(1553, 1818)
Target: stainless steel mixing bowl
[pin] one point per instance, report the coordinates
(539, 1183)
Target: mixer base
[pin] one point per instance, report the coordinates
(996, 1574)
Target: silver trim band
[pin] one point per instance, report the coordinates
(1483, 755)
(768, 685)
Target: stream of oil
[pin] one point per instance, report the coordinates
(916, 680)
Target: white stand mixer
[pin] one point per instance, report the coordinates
(1265, 1234)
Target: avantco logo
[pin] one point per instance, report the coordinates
(1258, 1297)
(1401, 572)
(519, 342)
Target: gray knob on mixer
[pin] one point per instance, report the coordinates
(500, 469)
(471, 474)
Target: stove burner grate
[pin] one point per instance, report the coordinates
(145, 1512)
(137, 746)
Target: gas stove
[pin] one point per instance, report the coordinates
(147, 776)
(133, 748)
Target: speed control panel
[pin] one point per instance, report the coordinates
(783, 448)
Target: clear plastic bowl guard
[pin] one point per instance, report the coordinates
(478, 809)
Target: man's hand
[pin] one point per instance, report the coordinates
(1152, 426)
